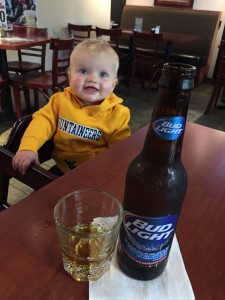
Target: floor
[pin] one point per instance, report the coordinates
(141, 110)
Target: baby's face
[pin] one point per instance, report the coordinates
(92, 77)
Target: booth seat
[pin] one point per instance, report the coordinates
(179, 20)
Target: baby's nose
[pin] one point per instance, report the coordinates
(92, 77)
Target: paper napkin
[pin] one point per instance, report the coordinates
(173, 284)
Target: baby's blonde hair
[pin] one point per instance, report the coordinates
(96, 46)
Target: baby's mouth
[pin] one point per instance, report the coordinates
(91, 89)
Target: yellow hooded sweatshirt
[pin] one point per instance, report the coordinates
(80, 132)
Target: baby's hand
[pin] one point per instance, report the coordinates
(22, 160)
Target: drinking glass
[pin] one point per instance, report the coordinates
(87, 223)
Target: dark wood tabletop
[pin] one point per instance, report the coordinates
(30, 261)
(16, 42)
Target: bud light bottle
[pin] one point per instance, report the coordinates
(156, 181)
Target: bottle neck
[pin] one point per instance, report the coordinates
(166, 131)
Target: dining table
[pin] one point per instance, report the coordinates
(14, 42)
(30, 260)
(169, 37)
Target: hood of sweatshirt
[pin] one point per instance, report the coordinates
(108, 103)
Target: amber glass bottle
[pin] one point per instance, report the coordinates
(156, 181)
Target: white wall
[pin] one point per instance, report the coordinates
(55, 14)
(215, 5)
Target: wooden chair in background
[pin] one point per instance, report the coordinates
(24, 64)
(36, 176)
(219, 78)
(113, 37)
(42, 82)
(26, 57)
(145, 48)
(79, 32)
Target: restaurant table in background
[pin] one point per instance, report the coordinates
(170, 38)
(30, 260)
(12, 42)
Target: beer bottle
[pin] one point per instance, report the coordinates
(156, 181)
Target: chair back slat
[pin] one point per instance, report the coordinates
(113, 36)
(60, 58)
(146, 45)
(23, 54)
(29, 31)
(79, 32)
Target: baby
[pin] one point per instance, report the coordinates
(86, 118)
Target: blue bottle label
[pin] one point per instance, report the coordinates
(169, 128)
(147, 240)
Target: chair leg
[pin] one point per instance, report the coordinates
(36, 97)
(46, 94)
(214, 97)
(144, 70)
(154, 72)
(2, 95)
(150, 84)
(217, 95)
(17, 99)
(36, 100)
(27, 100)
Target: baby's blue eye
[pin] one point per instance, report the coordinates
(103, 74)
(83, 71)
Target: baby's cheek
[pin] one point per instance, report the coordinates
(75, 82)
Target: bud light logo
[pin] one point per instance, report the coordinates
(147, 240)
(152, 232)
(169, 128)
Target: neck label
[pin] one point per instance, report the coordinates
(169, 128)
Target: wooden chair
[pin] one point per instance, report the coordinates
(219, 78)
(23, 64)
(145, 48)
(42, 82)
(79, 32)
(36, 176)
(113, 36)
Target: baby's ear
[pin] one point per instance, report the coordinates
(116, 81)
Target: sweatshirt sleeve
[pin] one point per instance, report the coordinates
(41, 128)
(122, 129)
